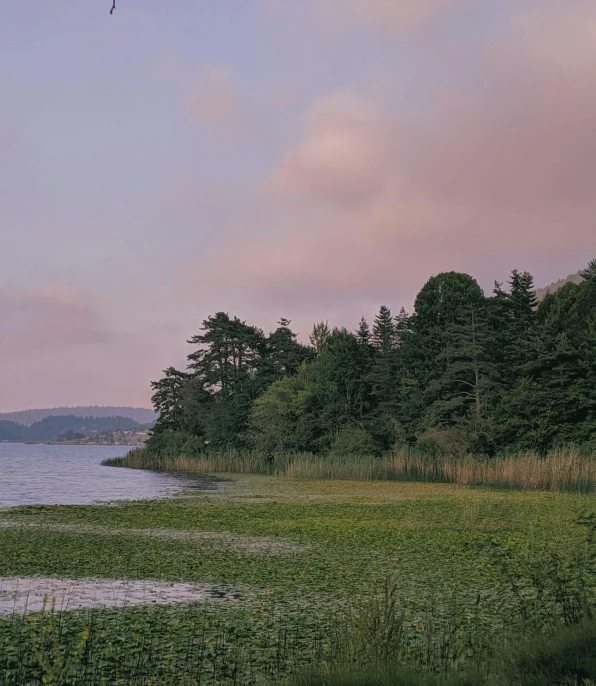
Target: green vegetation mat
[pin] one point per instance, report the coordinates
(467, 568)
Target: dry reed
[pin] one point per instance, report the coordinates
(565, 470)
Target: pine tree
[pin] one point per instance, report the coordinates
(589, 274)
(168, 400)
(229, 352)
(282, 355)
(226, 366)
(465, 391)
(523, 301)
(384, 331)
(443, 309)
(511, 318)
(551, 400)
(402, 325)
(363, 334)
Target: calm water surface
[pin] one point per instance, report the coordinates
(72, 474)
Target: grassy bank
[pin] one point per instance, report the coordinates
(559, 471)
(435, 577)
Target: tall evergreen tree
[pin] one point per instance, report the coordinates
(402, 325)
(282, 355)
(512, 320)
(226, 365)
(384, 331)
(384, 380)
(447, 301)
(229, 353)
(465, 392)
(168, 400)
(363, 335)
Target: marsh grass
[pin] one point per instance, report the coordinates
(369, 645)
(465, 572)
(559, 471)
(563, 657)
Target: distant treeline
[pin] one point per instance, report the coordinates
(141, 415)
(464, 373)
(50, 428)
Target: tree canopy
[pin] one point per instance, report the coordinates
(486, 374)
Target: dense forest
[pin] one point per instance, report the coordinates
(464, 373)
(67, 426)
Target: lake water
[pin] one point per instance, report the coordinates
(72, 474)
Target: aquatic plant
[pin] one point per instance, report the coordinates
(559, 471)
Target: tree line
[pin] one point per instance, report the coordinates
(464, 372)
(52, 427)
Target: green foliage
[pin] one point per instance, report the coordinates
(232, 364)
(353, 440)
(431, 578)
(319, 335)
(363, 334)
(167, 399)
(483, 375)
(59, 660)
(391, 675)
(561, 658)
(277, 419)
(566, 657)
(384, 334)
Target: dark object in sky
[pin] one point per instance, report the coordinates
(113, 6)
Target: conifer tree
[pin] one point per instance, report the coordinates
(363, 334)
(402, 325)
(282, 354)
(226, 365)
(589, 274)
(228, 354)
(168, 400)
(384, 331)
(465, 391)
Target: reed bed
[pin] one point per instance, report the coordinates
(559, 471)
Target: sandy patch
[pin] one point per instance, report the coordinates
(20, 595)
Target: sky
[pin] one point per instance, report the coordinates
(307, 159)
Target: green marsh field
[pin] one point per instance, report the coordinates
(299, 575)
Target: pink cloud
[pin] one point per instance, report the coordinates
(368, 203)
(58, 346)
(56, 316)
(212, 100)
(395, 17)
(343, 155)
(392, 17)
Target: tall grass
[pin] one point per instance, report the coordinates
(228, 462)
(559, 471)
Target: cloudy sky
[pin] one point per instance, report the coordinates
(310, 159)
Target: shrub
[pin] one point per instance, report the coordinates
(353, 441)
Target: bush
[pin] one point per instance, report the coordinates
(450, 441)
(174, 444)
(353, 441)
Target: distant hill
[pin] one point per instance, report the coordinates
(53, 427)
(573, 278)
(140, 415)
